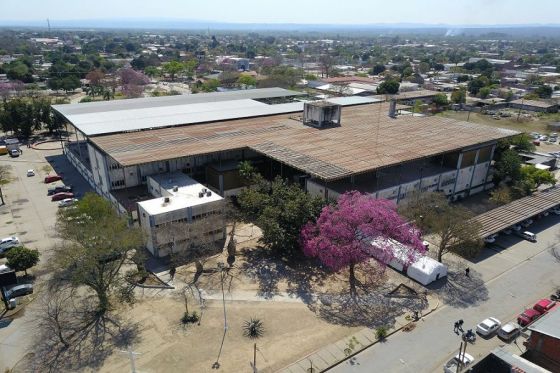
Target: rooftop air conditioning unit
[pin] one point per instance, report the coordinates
(166, 200)
(208, 193)
(321, 114)
(175, 188)
(200, 194)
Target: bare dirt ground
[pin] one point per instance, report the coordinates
(302, 310)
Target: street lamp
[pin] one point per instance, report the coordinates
(221, 267)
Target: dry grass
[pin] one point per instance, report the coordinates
(535, 124)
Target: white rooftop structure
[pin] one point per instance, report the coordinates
(100, 118)
(178, 192)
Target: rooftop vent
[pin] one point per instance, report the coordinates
(208, 193)
(175, 188)
(166, 200)
(321, 114)
(200, 194)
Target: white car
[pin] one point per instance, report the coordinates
(509, 331)
(30, 172)
(67, 202)
(452, 365)
(491, 238)
(8, 243)
(488, 326)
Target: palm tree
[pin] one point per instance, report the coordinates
(253, 328)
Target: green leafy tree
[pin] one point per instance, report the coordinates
(22, 258)
(449, 224)
(97, 243)
(377, 69)
(247, 80)
(279, 208)
(389, 86)
(484, 92)
(173, 68)
(459, 96)
(537, 177)
(441, 100)
(544, 91)
(508, 167)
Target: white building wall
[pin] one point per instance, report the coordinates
(99, 169)
(447, 182)
(464, 179)
(480, 173)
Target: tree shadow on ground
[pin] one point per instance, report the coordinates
(90, 338)
(300, 275)
(374, 304)
(459, 290)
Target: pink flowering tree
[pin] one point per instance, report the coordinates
(359, 228)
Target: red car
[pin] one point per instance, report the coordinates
(544, 305)
(528, 316)
(61, 196)
(52, 178)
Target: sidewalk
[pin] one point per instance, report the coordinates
(344, 349)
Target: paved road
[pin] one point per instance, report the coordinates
(433, 342)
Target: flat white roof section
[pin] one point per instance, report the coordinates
(103, 117)
(187, 194)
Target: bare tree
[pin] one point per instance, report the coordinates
(451, 224)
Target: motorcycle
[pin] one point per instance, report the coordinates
(469, 336)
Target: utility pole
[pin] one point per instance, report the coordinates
(255, 358)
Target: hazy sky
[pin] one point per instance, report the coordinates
(293, 11)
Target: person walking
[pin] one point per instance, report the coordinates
(467, 271)
(460, 323)
(456, 327)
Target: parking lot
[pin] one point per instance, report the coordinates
(30, 215)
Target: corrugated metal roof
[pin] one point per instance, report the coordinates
(104, 117)
(366, 140)
(548, 324)
(505, 216)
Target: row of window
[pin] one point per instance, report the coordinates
(117, 183)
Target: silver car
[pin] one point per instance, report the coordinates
(19, 291)
(9, 242)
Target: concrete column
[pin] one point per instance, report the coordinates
(489, 164)
(474, 169)
(457, 173)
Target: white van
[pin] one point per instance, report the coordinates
(529, 236)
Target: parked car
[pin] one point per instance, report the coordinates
(544, 305)
(67, 202)
(527, 222)
(14, 153)
(529, 236)
(516, 227)
(536, 142)
(19, 290)
(52, 178)
(491, 238)
(507, 231)
(62, 195)
(556, 210)
(488, 326)
(59, 189)
(528, 316)
(8, 242)
(30, 172)
(4, 268)
(451, 366)
(509, 331)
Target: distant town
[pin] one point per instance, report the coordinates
(328, 199)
